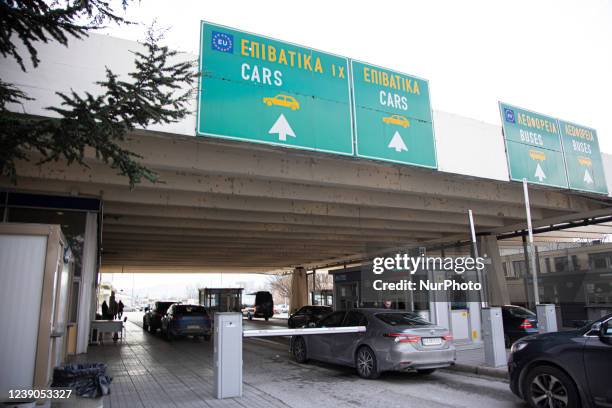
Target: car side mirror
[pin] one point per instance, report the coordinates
(146, 309)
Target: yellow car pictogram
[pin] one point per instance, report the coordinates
(537, 155)
(397, 120)
(282, 100)
(585, 161)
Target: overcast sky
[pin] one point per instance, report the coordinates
(554, 57)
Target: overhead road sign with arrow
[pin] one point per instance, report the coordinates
(261, 90)
(393, 120)
(533, 147)
(583, 161)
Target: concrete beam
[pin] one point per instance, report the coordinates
(227, 158)
(163, 222)
(424, 216)
(133, 268)
(164, 195)
(261, 234)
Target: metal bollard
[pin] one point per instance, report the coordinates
(493, 337)
(547, 318)
(228, 349)
(228, 355)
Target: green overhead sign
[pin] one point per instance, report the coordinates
(261, 90)
(533, 147)
(582, 158)
(392, 116)
(548, 151)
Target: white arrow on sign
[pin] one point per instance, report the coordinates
(282, 127)
(587, 177)
(539, 173)
(397, 143)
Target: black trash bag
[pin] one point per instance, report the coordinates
(88, 380)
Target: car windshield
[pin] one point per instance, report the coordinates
(587, 327)
(187, 310)
(313, 310)
(518, 311)
(402, 319)
(163, 306)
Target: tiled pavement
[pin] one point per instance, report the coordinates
(150, 372)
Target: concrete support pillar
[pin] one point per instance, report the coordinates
(88, 282)
(497, 285)
(299, 289)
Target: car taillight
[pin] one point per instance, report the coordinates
(526, 324)
(403, 338)
(447, 337)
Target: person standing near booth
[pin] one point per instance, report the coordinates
(112, 306)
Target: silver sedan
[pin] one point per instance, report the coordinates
(394, 340)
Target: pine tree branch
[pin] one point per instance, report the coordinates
(34, 21)
(152, 95)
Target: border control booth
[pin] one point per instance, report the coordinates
(221, 299)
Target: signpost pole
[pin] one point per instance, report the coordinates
(532, 260)
(484, 301)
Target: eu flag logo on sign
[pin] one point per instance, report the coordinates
(509, 114)
(222, 42)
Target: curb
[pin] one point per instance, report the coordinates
(497, 373)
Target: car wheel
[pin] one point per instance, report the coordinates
(144, 326)
(426, 371)
(366, 363)
(547, 386)
(298, 349)
(267, 318)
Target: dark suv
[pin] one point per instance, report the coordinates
(264, 306)
(151, 321)
(564, 369)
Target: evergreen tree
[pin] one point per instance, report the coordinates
(152, 94)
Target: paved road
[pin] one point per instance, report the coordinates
(268, 368)
(324, 385)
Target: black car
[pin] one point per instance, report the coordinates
(308, 314)
(518, 322)
(151, 321)
(564, 369)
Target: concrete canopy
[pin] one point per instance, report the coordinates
(224, 206)
(236, 207)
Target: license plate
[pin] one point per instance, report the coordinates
(192, 326)
(431, 341)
